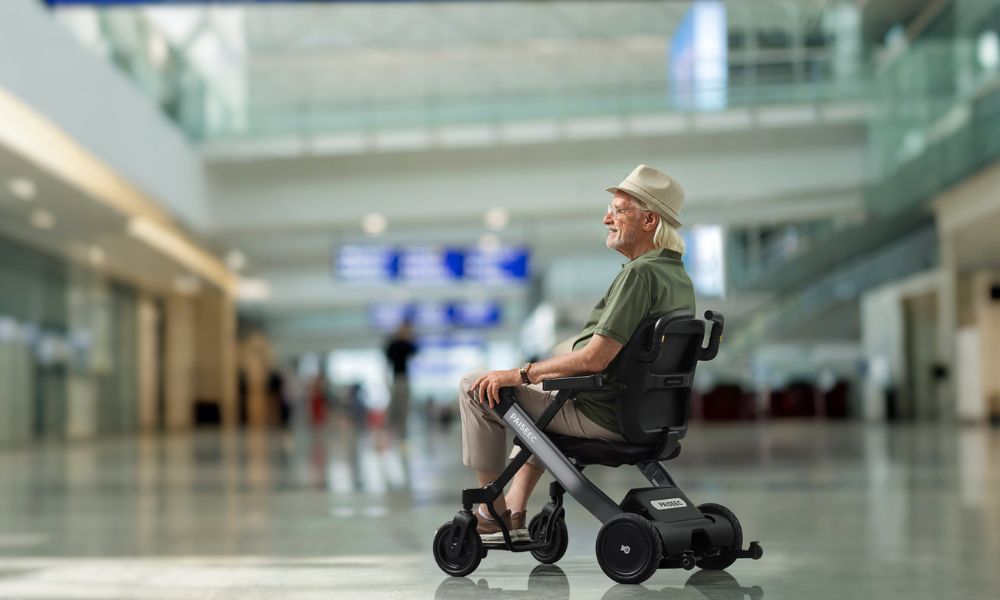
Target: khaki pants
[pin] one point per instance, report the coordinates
(484, 437)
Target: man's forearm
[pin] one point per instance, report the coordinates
(578, 362)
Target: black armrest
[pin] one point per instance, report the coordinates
(715, 337)
(583, 382)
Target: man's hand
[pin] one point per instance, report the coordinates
(488, 386)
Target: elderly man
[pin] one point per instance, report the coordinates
(642, 222)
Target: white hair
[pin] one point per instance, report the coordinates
(666, 235)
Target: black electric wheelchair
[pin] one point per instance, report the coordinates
(651, 528)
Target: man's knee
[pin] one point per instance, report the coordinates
(465, 390)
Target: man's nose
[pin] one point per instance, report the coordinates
(607, 219)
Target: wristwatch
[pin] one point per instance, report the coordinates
(524, 373)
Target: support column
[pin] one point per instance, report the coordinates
(948, 325)
(148, 318)
(986, 311)
(215, 369)
(179, 362)
(255, 363)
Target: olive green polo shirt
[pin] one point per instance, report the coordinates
(652, 284)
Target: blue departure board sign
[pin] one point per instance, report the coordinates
(503, 265)
(367, 264)
(167, 2)
(482, 314)
(430, 265)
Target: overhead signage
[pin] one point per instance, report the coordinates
(388, 316)
(165, 2)
(367, 264)
(497, 266)
(430, 265)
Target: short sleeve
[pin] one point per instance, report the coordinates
(628, 302)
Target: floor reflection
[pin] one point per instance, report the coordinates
(545, 582)
(713, 585)
(549, 582)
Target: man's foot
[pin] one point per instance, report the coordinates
(518, 529)
(489, 530)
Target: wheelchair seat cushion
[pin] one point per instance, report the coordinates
(587, 451)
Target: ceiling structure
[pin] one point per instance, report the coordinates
(294, 106)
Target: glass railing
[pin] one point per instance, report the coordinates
(934, 119)
(501, 105)
(251, 101)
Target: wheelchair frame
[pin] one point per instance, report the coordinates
(678, 529)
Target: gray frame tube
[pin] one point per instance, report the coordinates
(578, 486)
(657, 474)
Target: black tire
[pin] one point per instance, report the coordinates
(556, 547)
(469, 557)
(629, 548)
(724, 560)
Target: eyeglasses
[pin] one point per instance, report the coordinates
(616, 211)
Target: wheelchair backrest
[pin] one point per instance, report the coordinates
(656, 368)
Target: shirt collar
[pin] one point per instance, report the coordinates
(657, 253)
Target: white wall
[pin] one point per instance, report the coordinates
(968, 218)
(81, 93)
(883, 337)
(978, 376)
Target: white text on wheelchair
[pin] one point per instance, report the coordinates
(668, 503)
(523, 429)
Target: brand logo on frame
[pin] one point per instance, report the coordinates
(667, 503)
(523, 429)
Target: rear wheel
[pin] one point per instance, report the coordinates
(469, 550)
(725, 558)
(629, 548)
(556, 545)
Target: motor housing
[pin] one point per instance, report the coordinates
(682, 527)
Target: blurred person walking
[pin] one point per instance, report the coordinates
(293, 393)
(398, 353)
(276, 395)
(318, 400)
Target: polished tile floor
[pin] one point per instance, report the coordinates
(842, 510)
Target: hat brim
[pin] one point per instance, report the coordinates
(645, 197)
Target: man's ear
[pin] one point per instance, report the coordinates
(651, 221)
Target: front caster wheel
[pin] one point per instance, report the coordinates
(629, 548)
(555, 547)
(458, 556)
(725, 559)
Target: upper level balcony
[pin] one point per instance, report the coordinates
(357, 78)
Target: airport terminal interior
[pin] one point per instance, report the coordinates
(248, 251)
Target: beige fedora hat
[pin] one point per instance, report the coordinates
(659, 191)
